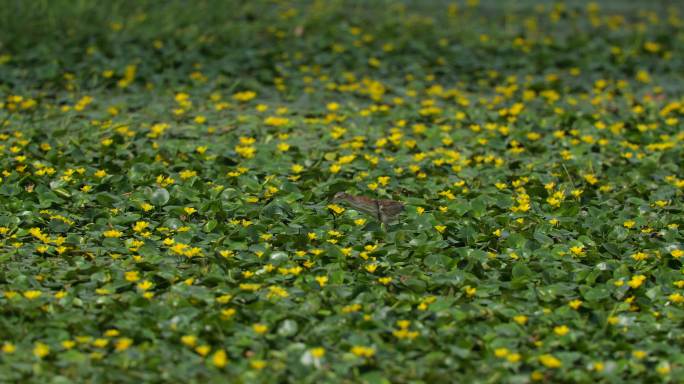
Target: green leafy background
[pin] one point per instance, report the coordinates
(168, 167)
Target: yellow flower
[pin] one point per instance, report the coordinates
(112, 234)
(275, 121)
(203, 350)
(224, 299)
(189, 340)
(226, 253)
(318, 352)
(275, 291)
(322, 280)
(470, 291)
(145, 285)
(440, 228)
(258, 364)
(260, 328)
(186, 174)
(245, 151)
(336, 208)
(550, 361)
(283, 147)
(41, 350)
(146, 207)
(68, 344)
(227, 313)
(577, 250)
(514, 357)
(244, 96)
(32, 294)
(677, 253)
(111, 333)
(663, 368)
(561, 330)
(123, 343)
(676, 298)
(636, 281)
(140, 226)
(643, 76)
(362, 351)
(501, 352)
(102, 291)
(520, 319)
(335, 168)
(132, 276)
(351, 308)
(8, 348)
(575, 304)
(219, 359)
(591, 178)
(250, 287)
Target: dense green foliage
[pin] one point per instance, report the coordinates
(167, 173)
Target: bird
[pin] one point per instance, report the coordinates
(382, 209)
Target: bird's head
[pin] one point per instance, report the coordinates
(340, 196)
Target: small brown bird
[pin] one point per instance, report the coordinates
(383, 210)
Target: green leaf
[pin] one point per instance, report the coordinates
(160, 197)
(596, 294)
(374, 377)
